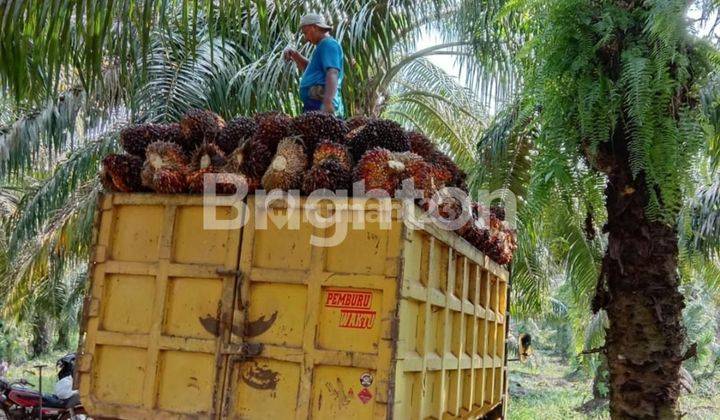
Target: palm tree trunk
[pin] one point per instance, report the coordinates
(63, 336)
(41, 335)
(639, 289)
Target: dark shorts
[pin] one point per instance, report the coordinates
(312, 105)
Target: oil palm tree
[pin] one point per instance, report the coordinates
(613, 89)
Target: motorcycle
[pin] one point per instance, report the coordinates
(20, 402)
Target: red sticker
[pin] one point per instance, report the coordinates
(364, 395)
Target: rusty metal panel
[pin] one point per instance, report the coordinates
(152, 344)
(324, 316)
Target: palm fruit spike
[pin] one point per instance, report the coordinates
(380, 169)
(379, 133)
(165, 168)
(236, 133)
(315, 126)
(330, 150)
(287, 167)
(198, 125)
(122, 173)
(271, 128)
(329, 174)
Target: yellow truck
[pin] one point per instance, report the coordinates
(260, 322)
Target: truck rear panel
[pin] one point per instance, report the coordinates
(187, 322)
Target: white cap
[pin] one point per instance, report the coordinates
(314, 19)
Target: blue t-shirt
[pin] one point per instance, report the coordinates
(328, 54)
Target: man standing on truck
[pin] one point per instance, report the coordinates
(323, 73)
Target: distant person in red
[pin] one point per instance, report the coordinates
(323, 73)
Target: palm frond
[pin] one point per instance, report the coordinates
(41, 204)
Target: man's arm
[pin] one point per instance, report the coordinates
(298, 58)
(331, 85)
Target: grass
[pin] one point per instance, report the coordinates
(544, 388)
(548, 389)
(27, 371)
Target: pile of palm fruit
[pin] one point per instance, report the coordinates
(310, 152)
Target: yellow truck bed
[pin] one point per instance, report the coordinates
(185, 322)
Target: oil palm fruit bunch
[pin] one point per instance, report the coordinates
(225, 182)
(254, 158)
(271, 128)
(207, 159)
(287, 167)
(234, 167)
(498, 212)
(356, 122)
(499, 248)
(315, 126)
(330, 150)
(329, 174)
(449, 209)
(378, 133)
(427, 177)
(235, 133)
(135, 139)
(477, 236)
(165, 168)
(423, 146)
(122, 173)
(382, 169)
(198, 126)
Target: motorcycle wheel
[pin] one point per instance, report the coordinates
(5, 414)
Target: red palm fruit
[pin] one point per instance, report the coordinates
(380, 169)
(198, 126)
(424, 147)
(329, 174)
(271, 128)
(379, 133)
(165, 168)
(135, 139)
(236, 133)
(356, 121)
(315, 126)
(236, 164)
(207, 159)
(256, 157)
(207, 156)
(331, 150)
(225, 182)
(122, 173)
